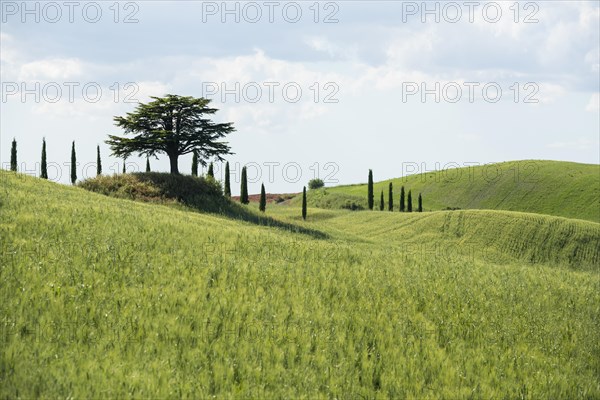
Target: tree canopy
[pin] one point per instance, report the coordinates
(175, 125)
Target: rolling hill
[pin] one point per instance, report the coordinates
(558, 188)
(108, 297)
(491, 236)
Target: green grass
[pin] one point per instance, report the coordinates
(104, 297)
(564, 189)
(490, 236)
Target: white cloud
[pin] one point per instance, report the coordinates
(79, 108)
(593, 59)
(9, 57)
(579, 144)
(187, 75)
(324, 45)
(505, 26)
(568, 26)
(144, 90)
(469, 137)
(548, 92)
(254, 75)
(594, 104)
(425, 53)
(404, 51)
(64, 69)
(110, 101)
(8, 53)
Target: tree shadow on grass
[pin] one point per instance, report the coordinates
(197, 194)
(240, 212)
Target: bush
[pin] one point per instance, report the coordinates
(323, 198)
(159, 187)
(315, 183)
(352, 205)
(122, 186)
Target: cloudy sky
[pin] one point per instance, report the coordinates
(313, 88)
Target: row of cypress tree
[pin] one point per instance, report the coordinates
(404, 206)
(210, 172)
(244, 199)
(262, 203)
(44, 163)
(44, 168)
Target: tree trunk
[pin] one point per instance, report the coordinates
(173, 160)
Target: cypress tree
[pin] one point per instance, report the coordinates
(402, 199)
(211, 171)
(420, 209)
(409, 202)
(304, 203)
(391, 198)
(244, 188)
(263, 199)
(98, 161)
(44, 174)
(227, 181)
(73, 164)
(370, 190)
(195, 164)
(148, 164)
(381, 202)
(13, 155)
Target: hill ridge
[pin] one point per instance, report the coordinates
(559, 188)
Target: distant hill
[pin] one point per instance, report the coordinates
(558, 188)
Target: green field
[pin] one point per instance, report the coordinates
(565, 189)
(105, 297)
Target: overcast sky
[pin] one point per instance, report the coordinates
(327, 88)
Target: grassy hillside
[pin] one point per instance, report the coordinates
(183, 192)
(546, 187)
(490, 236)
(106, 297)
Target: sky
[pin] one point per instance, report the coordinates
(326, 89)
